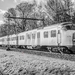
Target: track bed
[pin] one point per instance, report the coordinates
(19, 63)
(70, 57)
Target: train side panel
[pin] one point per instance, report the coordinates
(49, 37)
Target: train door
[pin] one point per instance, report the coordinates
(58, 37)
(38, 38)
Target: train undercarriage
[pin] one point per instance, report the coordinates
(55, 49)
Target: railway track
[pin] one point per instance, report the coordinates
(70, 57)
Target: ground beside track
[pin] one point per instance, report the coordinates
(16, 63)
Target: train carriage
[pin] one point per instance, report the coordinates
(58, 37)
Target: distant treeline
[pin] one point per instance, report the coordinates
(54, 11)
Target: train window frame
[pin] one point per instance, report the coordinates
(45, 34)
(53, 33)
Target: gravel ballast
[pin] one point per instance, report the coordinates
(16, 63)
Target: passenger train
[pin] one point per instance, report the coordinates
(55, 38)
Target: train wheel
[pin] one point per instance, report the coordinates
(23, 47)
(56, 50)
(67, 51)
(43, 48)
(28, 47)
(37, 48)
(49, 49)
(8, 49)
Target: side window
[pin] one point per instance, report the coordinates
(13, 38)
(53, 33)
(28, 36)
(33, 36)
(46, 34)
(8, 39)
(38, 35)
(22, 37)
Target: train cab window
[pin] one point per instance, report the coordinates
(68, 27)
(38, 35)
(53, 33)
(46, 34)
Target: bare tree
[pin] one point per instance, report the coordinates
(60, 9)
(24, 9)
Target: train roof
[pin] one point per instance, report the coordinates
(47, 27)
(51, 26)
(57, 25)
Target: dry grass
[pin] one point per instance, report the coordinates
(15, 63)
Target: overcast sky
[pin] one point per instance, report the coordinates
(6, 4)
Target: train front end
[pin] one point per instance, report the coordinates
(69, 36)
